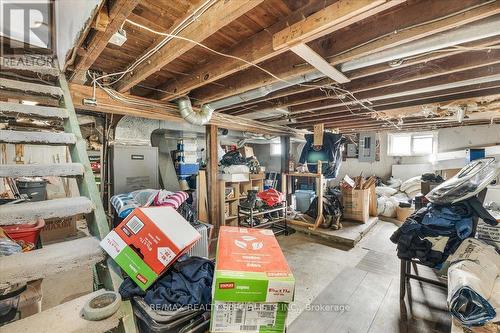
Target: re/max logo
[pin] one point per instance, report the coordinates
(226, 285)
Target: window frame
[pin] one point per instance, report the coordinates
(412, 152)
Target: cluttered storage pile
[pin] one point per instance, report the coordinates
(172, 284)
(162, 247)
(441, 235)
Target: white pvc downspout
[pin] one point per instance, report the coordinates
(194, 117)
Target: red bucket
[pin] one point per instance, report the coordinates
(26, 232)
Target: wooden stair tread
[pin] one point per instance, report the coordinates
(35, 111)
(64, 318)
(41, 170)
(42, 138)
(17, 64)
(49, 260)
(29, 87)
(56, 208)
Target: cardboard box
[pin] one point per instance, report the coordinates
(356, 204)
(246, 151)
(402, 213)
(58, 229)
(148, 241)
(252, 283)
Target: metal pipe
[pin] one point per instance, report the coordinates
(194, 117)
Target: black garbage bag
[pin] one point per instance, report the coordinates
(233, 157)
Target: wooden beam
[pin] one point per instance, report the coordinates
(219, 15)
(344, 45)
(325, 21)
(117, 15)
(391, 104)
(212, 172)
(467, 77)
(426, 59)
(255, 49)
(397, 77)
(167, 111)
(314, 59)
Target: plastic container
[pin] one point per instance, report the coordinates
(304, 199)
(34, 189)
(9, 302)
(27, 232)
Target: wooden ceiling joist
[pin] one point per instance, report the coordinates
(342, 113)
(167, 111)
(115, 17)
(216, 17)
(424, 61)
(327, 20)
(463, 78)
(444, 66)
(441, 15)
(259, 47)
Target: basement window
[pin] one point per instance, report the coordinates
(275, 149)
(411, 144)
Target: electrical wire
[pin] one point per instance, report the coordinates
(179, 28)
(207, 4)
(321, 87)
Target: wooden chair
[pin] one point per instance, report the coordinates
(406, 265)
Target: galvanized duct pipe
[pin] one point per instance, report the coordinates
(468, 33)
(201, 117)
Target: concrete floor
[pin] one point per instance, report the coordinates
(324, 274)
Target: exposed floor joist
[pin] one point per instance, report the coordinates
(396, 77)
(382, 38)
(216, 17)
(117, 15)
(260, 47)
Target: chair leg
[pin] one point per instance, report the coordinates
(402, 279)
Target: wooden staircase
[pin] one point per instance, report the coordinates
(19, 82)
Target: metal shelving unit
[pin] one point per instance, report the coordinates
(279, 225)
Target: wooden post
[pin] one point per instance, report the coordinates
(212, 170)
(285, 163)
(318, 134)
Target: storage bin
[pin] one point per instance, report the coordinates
(304, 199)
(27, 232)
(35, 190)
(9, 302)
(187, 168)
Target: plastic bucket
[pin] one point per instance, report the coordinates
(35, 190)
(27, 232)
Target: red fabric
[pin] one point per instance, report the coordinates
(271, 197)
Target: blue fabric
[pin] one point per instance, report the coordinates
(470, 308)
(187, 282)
(450, 218)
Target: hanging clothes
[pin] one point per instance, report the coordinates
(329, 154)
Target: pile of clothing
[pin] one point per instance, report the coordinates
(434, 232)
(180, 298)
(125, 203)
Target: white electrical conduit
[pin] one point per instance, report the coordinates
(201, 117)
